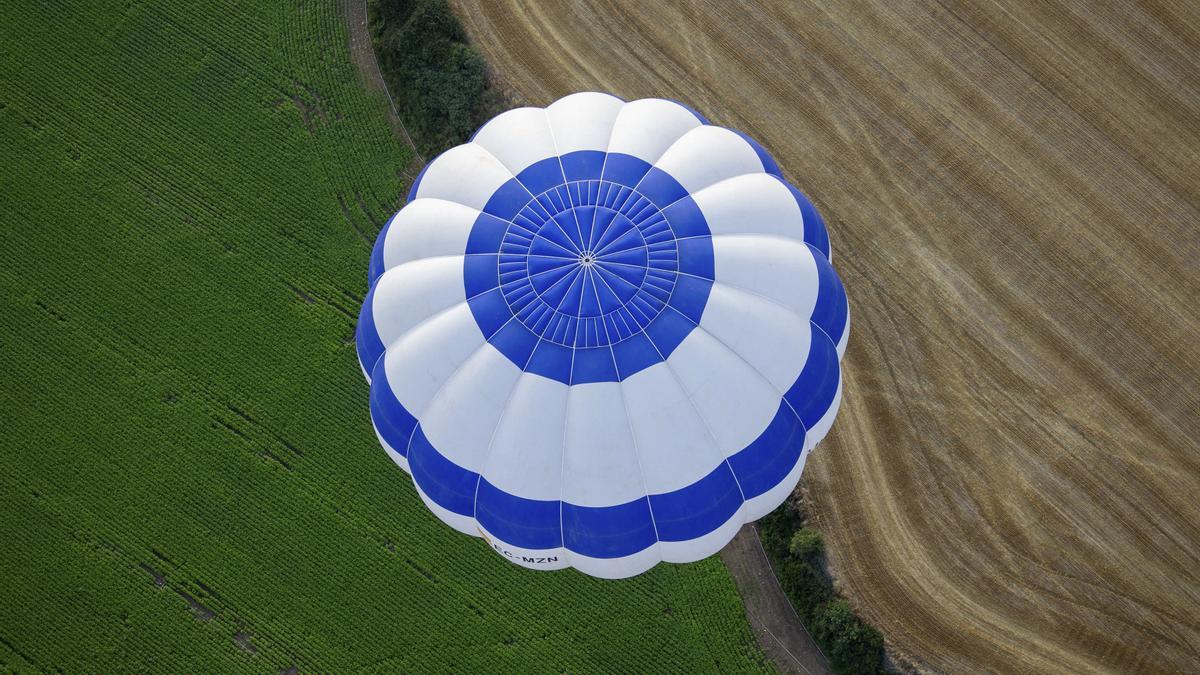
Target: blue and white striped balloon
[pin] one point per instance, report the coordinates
(603, 334)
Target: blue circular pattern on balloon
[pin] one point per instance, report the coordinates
(597, 274)
(590, 280)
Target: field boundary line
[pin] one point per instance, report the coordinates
(362, 51)
(775, 579)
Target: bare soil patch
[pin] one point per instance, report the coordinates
(778, 630)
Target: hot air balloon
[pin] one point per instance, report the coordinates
(603, 334)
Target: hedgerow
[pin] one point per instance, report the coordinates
(438, 80)
(797, 555)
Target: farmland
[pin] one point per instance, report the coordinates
(191, 483)
(1012, 201)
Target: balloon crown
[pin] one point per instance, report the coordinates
(603, 334)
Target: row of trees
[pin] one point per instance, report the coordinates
(797, 553)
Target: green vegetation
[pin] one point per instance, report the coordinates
(797, 552)
(438, 80)
(806, 544)
(188, 192)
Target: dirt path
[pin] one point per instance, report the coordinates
(778, 630)
(363, 53)
(1012, 200)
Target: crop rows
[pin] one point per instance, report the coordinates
(191, 481)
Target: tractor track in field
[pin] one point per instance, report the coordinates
(1011, 198)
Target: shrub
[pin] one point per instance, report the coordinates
(850, 645)
(775, 530)
(805, 586)
(806, 544)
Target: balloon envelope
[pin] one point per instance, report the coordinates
(603, 334)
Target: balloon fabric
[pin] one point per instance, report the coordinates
(603, 334)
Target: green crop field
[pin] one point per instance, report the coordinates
(190, 480)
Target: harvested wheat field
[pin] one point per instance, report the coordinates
(1012, 195)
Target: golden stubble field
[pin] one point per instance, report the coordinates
(1012, 193)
